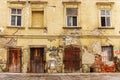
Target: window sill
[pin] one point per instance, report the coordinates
(72, 28)
(37, 27)
(106, 28)
(19, 27)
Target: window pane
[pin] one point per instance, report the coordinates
(108, 21)
(13, 11)
(74, 21)
(18, 20)
(102, 12)
(19, 11)
(69, 21)
(110, 53)
(107, 12)
(71, 11)
(13, 20)
(103, 21)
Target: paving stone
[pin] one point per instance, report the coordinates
(79, 76)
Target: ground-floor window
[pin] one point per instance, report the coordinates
(71, 59)
(14, 59)
(107, 53)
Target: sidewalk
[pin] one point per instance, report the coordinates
(60, 76)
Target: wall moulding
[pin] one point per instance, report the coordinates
(38, 1)
(25, 1)
(104, 4)
(73, 1)
(16, 2)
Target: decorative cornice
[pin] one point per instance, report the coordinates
(57, 36)
(38, 2)
(104, 3)
(71, 1)
(16, 2)
(29, 1)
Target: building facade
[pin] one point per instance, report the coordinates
(57, 36)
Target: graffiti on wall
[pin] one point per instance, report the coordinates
(116, 51)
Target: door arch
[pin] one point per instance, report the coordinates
(72, 59)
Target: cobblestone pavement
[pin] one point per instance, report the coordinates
(64, 76)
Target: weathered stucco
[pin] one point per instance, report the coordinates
(53, 34)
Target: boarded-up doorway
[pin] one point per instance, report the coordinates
(14, 60)
(37, 63)
(72, 59)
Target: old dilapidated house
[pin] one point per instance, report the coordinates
(41, 36)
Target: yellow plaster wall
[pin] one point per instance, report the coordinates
(54, 20)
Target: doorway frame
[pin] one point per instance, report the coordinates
(78, 46)
(44, 56)
(7, 65)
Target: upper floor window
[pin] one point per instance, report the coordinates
(16, 15)
(105, 18)
(38, 18)
(71, 14)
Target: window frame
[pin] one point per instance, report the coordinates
(16, 17)
(71, 18)
(43, 13)
(105, 16)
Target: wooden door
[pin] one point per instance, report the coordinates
(72, 59)
(14, 60)
(37, 60)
